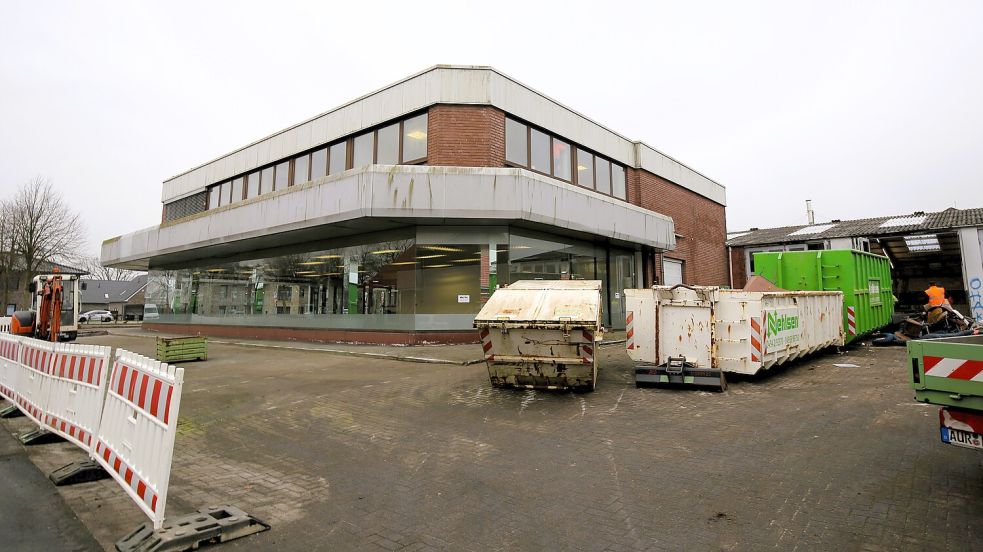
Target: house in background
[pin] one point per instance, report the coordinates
(943, 247)
(122, 298)
(14, 283)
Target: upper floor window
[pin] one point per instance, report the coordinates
(516, 142)
(415, 139)
(319, 163)
(338, 158)
(302, 169)
(534, 149)
(362, 150)
(387, 145)
(399, 142)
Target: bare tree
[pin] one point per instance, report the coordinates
(7, 269)
(99, 272)
(44, 228)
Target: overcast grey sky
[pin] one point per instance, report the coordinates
(867, 108)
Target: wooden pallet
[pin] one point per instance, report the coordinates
(181, 349)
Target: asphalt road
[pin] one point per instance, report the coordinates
(33, 515)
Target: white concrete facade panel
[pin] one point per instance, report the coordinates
(402, 192)
(443, 84)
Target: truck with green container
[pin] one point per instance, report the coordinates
(864, 279)
(948, 373)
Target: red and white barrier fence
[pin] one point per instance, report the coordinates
(32, 382)
(9, 366)
(76, 392)
(135, 441)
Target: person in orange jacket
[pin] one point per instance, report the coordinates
(936, 295)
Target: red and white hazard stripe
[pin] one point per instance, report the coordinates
(486, 344)
(851, 320)
(630, 330)
(757, 343)
(587, 349)
(80, 368)
(64, 426)
(137, 485)
(36, 359)
(954, 368)
(8, 349)
(151, 394)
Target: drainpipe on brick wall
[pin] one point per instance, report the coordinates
(730, 265)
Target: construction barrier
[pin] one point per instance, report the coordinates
(125, 418)
(9, 366)
(31, 386)
(4, 324)
(135, 441)
(77, 391)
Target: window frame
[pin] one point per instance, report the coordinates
(402, 132)
(575, 148)
(348, 141)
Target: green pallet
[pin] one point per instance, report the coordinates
(179, 349)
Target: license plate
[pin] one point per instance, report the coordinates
(962, 438)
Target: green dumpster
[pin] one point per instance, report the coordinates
(864, 279)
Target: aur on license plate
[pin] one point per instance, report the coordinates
(962, 438)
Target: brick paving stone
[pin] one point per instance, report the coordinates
(354, 453)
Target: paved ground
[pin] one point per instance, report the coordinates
(359, 453)
(32, 514)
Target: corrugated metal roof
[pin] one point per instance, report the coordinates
(896, 225)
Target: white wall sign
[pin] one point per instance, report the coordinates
(463, 298)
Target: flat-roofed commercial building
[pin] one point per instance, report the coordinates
(392, 218)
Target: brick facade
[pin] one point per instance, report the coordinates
(474, 136)
(466, 136)
(701, 230)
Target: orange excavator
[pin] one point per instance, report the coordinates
(45, 322)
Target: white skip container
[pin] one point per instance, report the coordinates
(542, 334)
(693, 335)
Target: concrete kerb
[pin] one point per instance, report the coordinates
(339, 352)
(343, 352)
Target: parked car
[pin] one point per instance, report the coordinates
(96, 316)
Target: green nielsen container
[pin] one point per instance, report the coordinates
(941, 371)
(864, 279)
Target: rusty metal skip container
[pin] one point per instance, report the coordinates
(542, 334)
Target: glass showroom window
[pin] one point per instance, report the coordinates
(415, 138)
(338, 158)
(516, 142)
(319, 163)
(387, 149)
(362, 150)
(302, 169)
